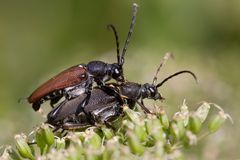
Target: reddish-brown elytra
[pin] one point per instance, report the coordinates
(54, 87)
(79, 79)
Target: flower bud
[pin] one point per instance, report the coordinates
(174, 131)
(217, 121)
(132, 115)
(108, 133)
(164, 119)
(184, 113)
(22, 146)
(60, 143)
(140, 132)
(44, 136)
(158, 134)
(106, 155)
(127, 125)
(159, 150)
(168, 147)
(48, 134)
(148, 125)
(181, 128)
(81, 135)
(112, 146)
(195, 124)
(94, 140)
(202, 111)
(180, 120)
(134, 144)
(73, 152)
(40, 140)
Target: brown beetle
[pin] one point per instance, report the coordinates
(78, 79)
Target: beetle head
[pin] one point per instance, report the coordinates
(150, 91)
(117, 72)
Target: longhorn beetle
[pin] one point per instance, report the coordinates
(103, 106)
(79, 79)
(105, 102)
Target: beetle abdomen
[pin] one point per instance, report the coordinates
(69, 77)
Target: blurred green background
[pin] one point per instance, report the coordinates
(41, 38)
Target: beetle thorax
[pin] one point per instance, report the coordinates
(97, 68)
(131, 90)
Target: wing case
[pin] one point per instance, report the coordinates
(67, 78)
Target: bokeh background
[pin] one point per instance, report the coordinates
(41, 38)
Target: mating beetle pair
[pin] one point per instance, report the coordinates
(86, 105)
(105, 103)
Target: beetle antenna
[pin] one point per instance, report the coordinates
(175, 74)
(111, 27)
(135, 7)
(162, 62)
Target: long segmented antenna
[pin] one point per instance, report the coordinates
(111, 27)
(135, 7)
(175, 74)
(162, 62)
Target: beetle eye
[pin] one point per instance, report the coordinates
(151, 90)
(83, 75)
(116, 71)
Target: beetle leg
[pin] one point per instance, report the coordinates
(55, 100)
(73, 92)
(109, 119)
(36, 106)
(81, 106)
(101, 81)
(141, 104)
(113, 92)
(31, 143)
(114, 113)
(56, 129)
(88, 89)
(73, 126)
(108, 90)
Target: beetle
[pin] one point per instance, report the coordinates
(105, 102)
(133, 92)
(79, 79)
(103, 106)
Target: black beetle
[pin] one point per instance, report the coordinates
(78, 79)
(105, 102)
(103, 106)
